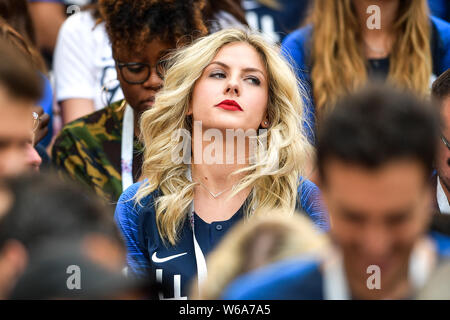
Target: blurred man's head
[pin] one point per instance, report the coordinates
(42, 209)
(375, 154)
(441, 95)
(20, 88)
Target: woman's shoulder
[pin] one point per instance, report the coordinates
(129, 195)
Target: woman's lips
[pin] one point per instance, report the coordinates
(148, 103)
(229, 105)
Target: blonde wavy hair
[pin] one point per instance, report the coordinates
(273, 177)
(338, 62)
(266, 239)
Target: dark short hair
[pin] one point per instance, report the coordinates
(131, 24)
(377, 125)
(46, 208)
(441, 87)
(17, 75)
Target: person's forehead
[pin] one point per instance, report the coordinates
(15, 118)
(394, 184)
(153, 48)
(241, 55)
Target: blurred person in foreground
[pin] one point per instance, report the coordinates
(17, 17)
(48, 225)
(17, 99)
(253, 244)
(441, 180)
(36, 154)
(375, 154)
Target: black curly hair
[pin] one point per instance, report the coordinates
(131, 24)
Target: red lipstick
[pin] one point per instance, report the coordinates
(229, 105)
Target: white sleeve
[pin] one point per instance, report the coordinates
(74, 59)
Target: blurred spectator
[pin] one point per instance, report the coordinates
(48, 16)
(38, 220)
(222, 14)
(84, 68)
(17, 98)
(253, 244)
(440, 8)
(441, 180)
(15, 13)
(41, 119)
(340, 49)
(375, 152)
(275, 18)
(53, 266)
(102, 150)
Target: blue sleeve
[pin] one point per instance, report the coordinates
(47, 105)
(127, 219)
(443, 45)
(312, 204)
(295, 48)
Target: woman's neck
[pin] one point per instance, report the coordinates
(377, 42)
(212, 168)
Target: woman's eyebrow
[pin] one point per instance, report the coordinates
(245, 70)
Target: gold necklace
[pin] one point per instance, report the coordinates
(214, 195)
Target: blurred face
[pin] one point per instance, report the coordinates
(232, 92)
(377, 216)
(443, 158)
(16, 124)
(33, 159)
(138, 76)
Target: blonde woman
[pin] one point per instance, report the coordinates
(343, 45)
(254, 244)
(230, 81)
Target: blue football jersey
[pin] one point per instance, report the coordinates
(176, 266)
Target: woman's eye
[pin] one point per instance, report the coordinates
(217, 75)
(136, 69)
(253, 80)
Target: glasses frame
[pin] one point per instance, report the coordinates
(160, 62)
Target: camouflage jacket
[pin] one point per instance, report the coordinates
(88, 150)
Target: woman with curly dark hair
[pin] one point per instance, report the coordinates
(102, 149)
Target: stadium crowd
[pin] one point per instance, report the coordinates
(225, 149)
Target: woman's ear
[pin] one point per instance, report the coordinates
(265, 122)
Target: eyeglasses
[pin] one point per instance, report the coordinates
(138, 72)
(35, 121)
(445, 141)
